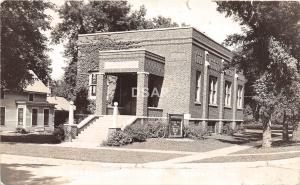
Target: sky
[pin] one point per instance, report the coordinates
(201, 14)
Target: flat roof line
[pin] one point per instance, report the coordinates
(156, 29)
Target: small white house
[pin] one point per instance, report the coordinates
(28, 109)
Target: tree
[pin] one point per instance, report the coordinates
(23, 45)
(137, 21)
(81, 18)
(278, 90)
(261, 21)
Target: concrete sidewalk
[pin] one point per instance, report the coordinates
(35, 171)
(203, 155)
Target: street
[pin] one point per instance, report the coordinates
(34, 170)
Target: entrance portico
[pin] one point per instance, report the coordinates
(135, 69)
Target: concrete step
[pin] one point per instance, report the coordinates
(97, 131)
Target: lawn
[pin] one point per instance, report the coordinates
(248, 158)
(278, 146)
(176, 145)
(84, 154)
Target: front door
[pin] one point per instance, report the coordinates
(21, 112)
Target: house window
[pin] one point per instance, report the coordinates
(239, 97)
(92, 84)
(227, 94)
(30, 97)
(198, 86)
(1, 93)
(20, 116)
(2, 115)
(213, 90)
(46, 117)
(34, 115)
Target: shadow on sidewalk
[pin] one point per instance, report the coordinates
(11, 175)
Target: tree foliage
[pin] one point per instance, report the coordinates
(260, 21)
(268, 52)
(23, 45)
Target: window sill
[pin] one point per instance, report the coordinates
(197, 103)
(227, 107)
(213, 105)
(240, 108)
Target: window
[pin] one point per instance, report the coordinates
(2, 115)
(30, 97)
(213, 90)
(20, 116)
(198, 86)
(92, 84)
(227, 94)
(240, 97)
(46, 117)
(34, 117)
(2, 93)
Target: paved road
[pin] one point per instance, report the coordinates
(32, 170)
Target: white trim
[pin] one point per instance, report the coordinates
(24, 115)
(240, 90)
(4, 115)
(44, 117)
(229, 92)
(37, 116)
(90, 85)
(143, 72)
(198, 87)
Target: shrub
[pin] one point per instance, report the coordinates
(118, 138)
(194, 131)
(21, 130)
(137, 132)
(150, 129)
(156, 129)
(59, 133)
(227, 130)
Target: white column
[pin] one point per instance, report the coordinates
(205, 91)
(71, 113)
(115, 115)
(234, 106)
(221, 103)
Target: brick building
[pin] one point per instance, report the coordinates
(181, 68)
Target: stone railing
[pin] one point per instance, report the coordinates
(109, 110)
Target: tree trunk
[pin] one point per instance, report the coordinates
(267, 135)
(285, 128)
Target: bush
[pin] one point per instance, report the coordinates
(150, 129)
(156, 129)
(118, 138)
(21, 130)
(59, 133)
(227, 130)
(137, 132)
(194, 131)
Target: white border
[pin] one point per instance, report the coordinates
(24, 115)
